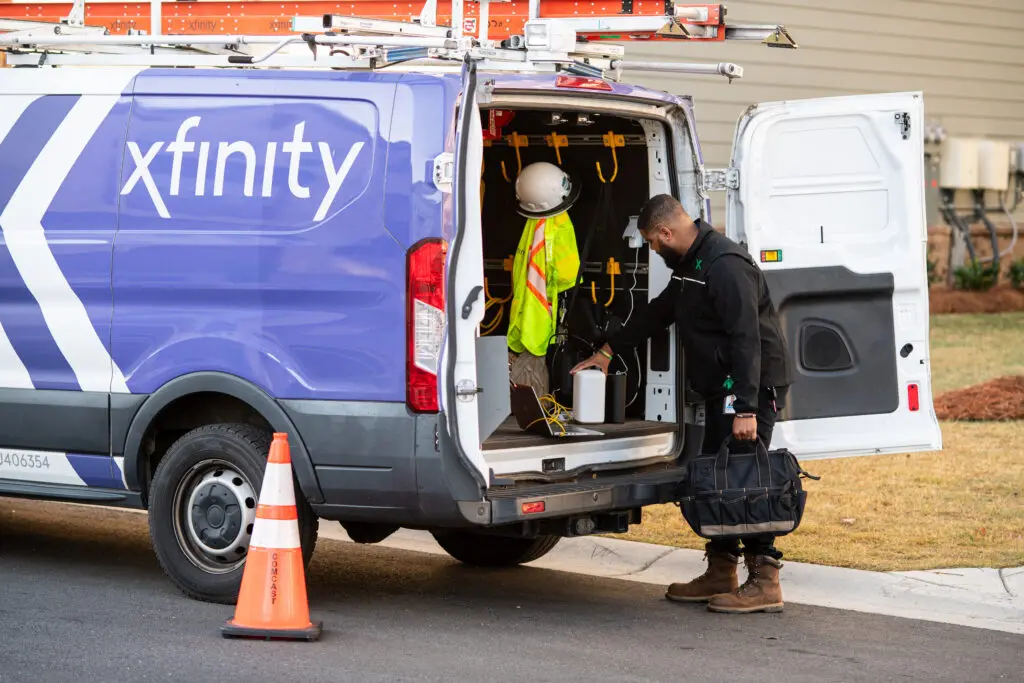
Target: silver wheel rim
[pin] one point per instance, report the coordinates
(214, 512)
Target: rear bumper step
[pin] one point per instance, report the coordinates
(527, 503)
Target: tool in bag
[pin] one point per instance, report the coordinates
(730, 495)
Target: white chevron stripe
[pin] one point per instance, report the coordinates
(13, 373)
(65, 315)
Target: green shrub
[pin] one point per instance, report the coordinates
(1017, 274)
(975, 277)
(932, 277)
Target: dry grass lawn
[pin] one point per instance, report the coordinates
(963, 506)
(971, 349)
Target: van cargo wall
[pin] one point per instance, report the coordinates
(503, 228)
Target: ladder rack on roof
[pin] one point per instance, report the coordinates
(577, 45)
(501, 19)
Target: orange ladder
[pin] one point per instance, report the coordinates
(605, 20)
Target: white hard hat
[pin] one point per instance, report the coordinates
(545, 190)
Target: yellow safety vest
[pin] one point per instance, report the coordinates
(546, 264)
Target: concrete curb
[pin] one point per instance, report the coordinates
(981, 598)
(978, 597)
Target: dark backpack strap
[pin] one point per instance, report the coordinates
(597, 225)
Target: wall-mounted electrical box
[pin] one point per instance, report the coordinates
(958, 163)
(993, 165)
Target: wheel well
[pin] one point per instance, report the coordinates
(184, 414)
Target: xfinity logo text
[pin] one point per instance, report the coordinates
(184, 152)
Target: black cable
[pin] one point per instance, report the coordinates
(980, 213)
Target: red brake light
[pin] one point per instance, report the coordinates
(913, 399)
(533, 508)
(582, 83)
(425, 323)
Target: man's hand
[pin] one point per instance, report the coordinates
(744, 428)
(598, 360)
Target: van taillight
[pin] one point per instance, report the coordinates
(913, 398)
(425, 323)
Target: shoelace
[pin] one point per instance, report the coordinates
(752, 579)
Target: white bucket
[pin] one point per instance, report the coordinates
(588, 387)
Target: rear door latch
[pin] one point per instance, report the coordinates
(903, 121)
(444, 171)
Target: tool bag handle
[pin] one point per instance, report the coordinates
(761, 454)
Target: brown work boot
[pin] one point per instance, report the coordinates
(720, 577)
(760, 593)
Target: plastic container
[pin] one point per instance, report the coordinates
(588, 390)
(615, 395)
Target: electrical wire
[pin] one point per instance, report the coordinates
(1018, 187)
(488, 328)
(632, 304)
(552, 416)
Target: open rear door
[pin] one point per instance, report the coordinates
(830, 202)
(465, 279)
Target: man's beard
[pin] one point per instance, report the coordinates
(671, 257)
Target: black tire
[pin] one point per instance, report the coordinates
(217, 452)
(482, 550)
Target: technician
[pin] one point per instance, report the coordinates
(736, 359)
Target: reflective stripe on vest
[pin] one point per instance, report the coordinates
(546, 264)
(536, 278)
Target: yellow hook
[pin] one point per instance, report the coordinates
(557, 141)
(482, 187)
(611, 140)
(517, 141)
(613, 270)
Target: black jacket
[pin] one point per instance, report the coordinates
(726, 321)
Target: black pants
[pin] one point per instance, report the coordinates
(717, 426)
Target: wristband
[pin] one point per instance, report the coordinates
(605, 354)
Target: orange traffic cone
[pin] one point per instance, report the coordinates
(272, 601)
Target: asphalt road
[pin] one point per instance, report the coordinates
(82, 598)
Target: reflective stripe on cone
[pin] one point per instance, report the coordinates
(272, 601)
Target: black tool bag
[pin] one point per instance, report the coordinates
(730, 495)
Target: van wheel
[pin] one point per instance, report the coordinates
(482, 550)
(203, 505)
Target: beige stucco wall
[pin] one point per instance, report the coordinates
(968, 64)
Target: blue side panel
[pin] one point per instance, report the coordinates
(252, 238)
(413, 210)
(20, 313)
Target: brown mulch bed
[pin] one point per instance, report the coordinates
(1000, 299)
(998, 399)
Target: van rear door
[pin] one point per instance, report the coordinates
(464, 300)
(830, 202)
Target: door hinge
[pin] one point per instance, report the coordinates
(466, 390)
(718, 179)
(444, 171)
(903, 121)
(485, 92)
